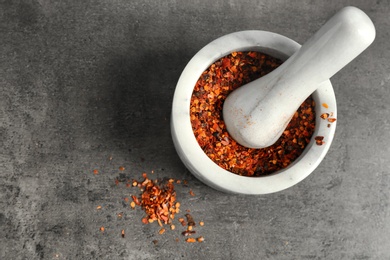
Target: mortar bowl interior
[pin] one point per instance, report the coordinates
(191, 154)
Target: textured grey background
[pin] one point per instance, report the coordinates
(81, 81)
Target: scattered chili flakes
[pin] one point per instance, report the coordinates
(173, 227)
(95, 171)
(162, 231)
(192, 193)
(102, 229)
(331, 119)
(210, 91)
(182, 222)
(121, 168)
(190, 240)
(201, 223)
(158, 200)
(325, 105)
(123, 233)
(99, 207)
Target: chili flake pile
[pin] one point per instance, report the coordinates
(210, 91)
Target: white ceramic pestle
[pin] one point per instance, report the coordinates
(257, 114)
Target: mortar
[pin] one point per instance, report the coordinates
(200, 165)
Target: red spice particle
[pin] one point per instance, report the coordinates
(162, 231)
(95, 171)
(325, 105)
(182, 222)
(145, 220)
(319, 140)
(188, 233)
(123, 233)
(99, 207)
(192, 193)
(200, 239)
(190, 220)
(102, 229)
(121, 168)
(201, 223)
(190, 240)
(331, 120)
(324, 115)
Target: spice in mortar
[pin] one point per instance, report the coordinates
(211, 90)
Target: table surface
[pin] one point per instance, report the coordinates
(88, 85)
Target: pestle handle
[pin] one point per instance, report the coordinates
(257, 113)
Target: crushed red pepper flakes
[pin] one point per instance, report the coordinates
(332, 119)
(123, 233)
(188, 232)
(162, 231)
(201, 223)
(99, 207)
(95, 171)
(209, 93)
(121, 168)
(325, 105)
(192, 193)
(102, 229)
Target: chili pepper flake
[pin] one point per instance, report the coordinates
(332, 119)
(162, 231)
(201, 223)
(102, 229)
(319, 140)
(123, 233)
(192, 193)
(121, 168)
(173, 227)
(132, 204)
(190, 240)
(324, 115)
(99, 207)
(325, 105)
(95, 171)
(200, 239)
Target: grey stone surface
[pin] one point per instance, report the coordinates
(82, 81)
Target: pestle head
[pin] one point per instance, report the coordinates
(257, 114)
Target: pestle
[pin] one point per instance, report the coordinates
(257, 113)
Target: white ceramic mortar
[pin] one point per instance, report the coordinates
(202, 166)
